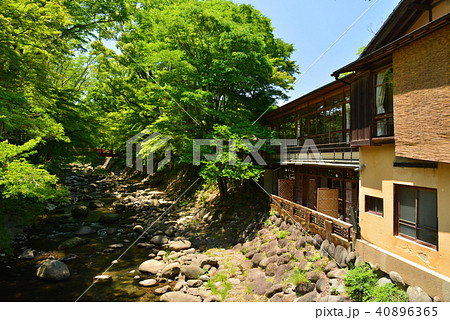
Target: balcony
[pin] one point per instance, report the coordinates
(331, 154)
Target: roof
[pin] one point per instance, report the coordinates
(392, 34)
(299, 102)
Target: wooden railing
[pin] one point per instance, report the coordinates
(335, 230)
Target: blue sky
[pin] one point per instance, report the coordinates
(313, 25)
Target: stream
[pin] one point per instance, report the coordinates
(18, 280)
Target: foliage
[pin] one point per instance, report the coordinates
(361, 285)
(283, 234)
(193, 70)
(388, 293)
(298, 277)
(223, 289)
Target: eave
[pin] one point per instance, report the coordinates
(386, 50)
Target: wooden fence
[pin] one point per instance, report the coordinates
(335, 230)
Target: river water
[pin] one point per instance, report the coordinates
(18, 281)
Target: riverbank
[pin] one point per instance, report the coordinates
(122, 239)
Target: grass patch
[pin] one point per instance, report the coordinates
(314, 258)
(298, 277)
(283, 234)
(221, 290)
(361, 285)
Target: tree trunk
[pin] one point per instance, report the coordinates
(223, 189)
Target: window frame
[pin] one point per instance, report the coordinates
(368, 201)
(388, 117)
(414, 225)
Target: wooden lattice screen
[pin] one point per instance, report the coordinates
(328, 201)
(286, 189)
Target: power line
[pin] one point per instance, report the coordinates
(339, 38)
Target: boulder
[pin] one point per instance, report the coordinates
(257, 258)
(273, 290)
(397, 280)
(73, 242)
(359, 262)
(194, 283)
(312, 276)
(28, 254)
(300, 243)
(171, 270)
(170, 231)
(159, 240)
(324, 248)
(331, 249)
(249, 255)
(283, 242)
(138, 229)
(148, 283)
(151, 266)
(94, 204)
(53, 270)
(179, 297)
(271, 269)
(254, 274)
(212, 261)
(84, 231)
(179, 245)
(309, 297)
(351, 258)
(317, 241)
(281, 297)
(304, 288)
(260, 285)
(383, 281)
(337, 274)
(322, 284)
(109, 218)
(416, 294)
(162, 290)
(80, 211)
(340, 254)
(285, 258)
(192, 271)
(265, 262)
(330, 266)
(69, 257)
(102, 278)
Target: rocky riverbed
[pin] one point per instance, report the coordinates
(123, 225)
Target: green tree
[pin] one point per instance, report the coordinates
(195, 69)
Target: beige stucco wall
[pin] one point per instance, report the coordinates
(377, 179)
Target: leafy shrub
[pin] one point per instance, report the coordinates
(298, 277)
(283, 234)
(361, 285)
(389, 293)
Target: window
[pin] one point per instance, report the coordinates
(416, 214)
(384, 103)
(374, 205)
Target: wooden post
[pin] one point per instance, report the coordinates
(307, 220)
(328, 229)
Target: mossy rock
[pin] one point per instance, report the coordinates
(73, 242)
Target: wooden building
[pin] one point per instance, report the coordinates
(398, 138)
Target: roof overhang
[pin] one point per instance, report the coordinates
(386, 50)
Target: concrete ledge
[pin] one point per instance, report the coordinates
(433, 283)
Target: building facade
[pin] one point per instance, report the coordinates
(398, 97)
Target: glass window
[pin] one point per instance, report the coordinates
(384, 92)
(374, 205)
(417, 214)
